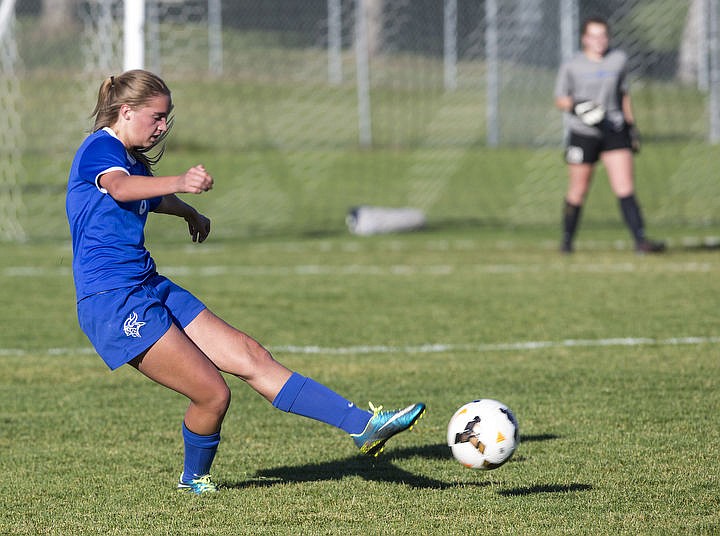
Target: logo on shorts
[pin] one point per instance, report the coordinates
(574, 155)
(131, 327)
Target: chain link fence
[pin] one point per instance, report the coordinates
(299, 85)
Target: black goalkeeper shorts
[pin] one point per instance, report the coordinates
(586, 149)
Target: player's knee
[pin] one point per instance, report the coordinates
(575, 198)
(257, 354)
(224, 398)
(218, 400)
(260, 364)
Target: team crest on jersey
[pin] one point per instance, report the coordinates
(143, 207)
(132, 326)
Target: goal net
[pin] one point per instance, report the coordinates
(11, 134)
(304, 108)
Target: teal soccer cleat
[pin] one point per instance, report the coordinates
(198, 486)
(385, 424)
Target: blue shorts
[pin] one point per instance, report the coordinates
(123, 323)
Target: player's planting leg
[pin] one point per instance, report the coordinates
(199, 455)
(198, 486)
(175, 362)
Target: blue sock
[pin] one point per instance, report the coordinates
(199, 453)
(306, 397)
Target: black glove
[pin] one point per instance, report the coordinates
(634, 137)
(589, 112)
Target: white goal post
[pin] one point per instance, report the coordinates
(7, 8)
(134, 35)
(11, 134)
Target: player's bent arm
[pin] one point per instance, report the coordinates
(124, 188)
(174, 206)
(198, 225)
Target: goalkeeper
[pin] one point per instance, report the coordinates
(592, 88)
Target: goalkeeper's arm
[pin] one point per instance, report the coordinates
(627, 109)
(629, 116)
(564, 104)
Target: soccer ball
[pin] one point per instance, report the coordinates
(483, 434)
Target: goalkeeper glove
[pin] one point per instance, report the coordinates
(634, 137)
(589, 112)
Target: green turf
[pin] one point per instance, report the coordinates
(617, 404)
(616, 439)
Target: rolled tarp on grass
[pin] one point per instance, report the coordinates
(368, 220)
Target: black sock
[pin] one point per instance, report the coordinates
(633, 217)
(571, 217)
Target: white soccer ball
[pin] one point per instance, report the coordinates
(483, 434)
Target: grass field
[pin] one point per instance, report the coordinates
(609, 360)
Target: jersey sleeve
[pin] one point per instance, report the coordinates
(623, 81)
(103, 155)
(563, 85)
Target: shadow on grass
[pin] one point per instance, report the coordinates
(537, 437)
(706, 245)
(380, 469)
(545, 488)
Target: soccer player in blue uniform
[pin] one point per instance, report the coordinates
(134, 315)
(592, 88)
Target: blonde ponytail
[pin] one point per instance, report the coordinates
(134, 88)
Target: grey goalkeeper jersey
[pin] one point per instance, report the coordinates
(604, 82)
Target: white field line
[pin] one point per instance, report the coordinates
(437, 348)
(390, 270)
(496, 347)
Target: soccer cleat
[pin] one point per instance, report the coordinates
(198, 486)
(385, 424)
(649, 246)
(566, 248)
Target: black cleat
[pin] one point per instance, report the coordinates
(649, 246)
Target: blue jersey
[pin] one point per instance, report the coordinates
(108, 237)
